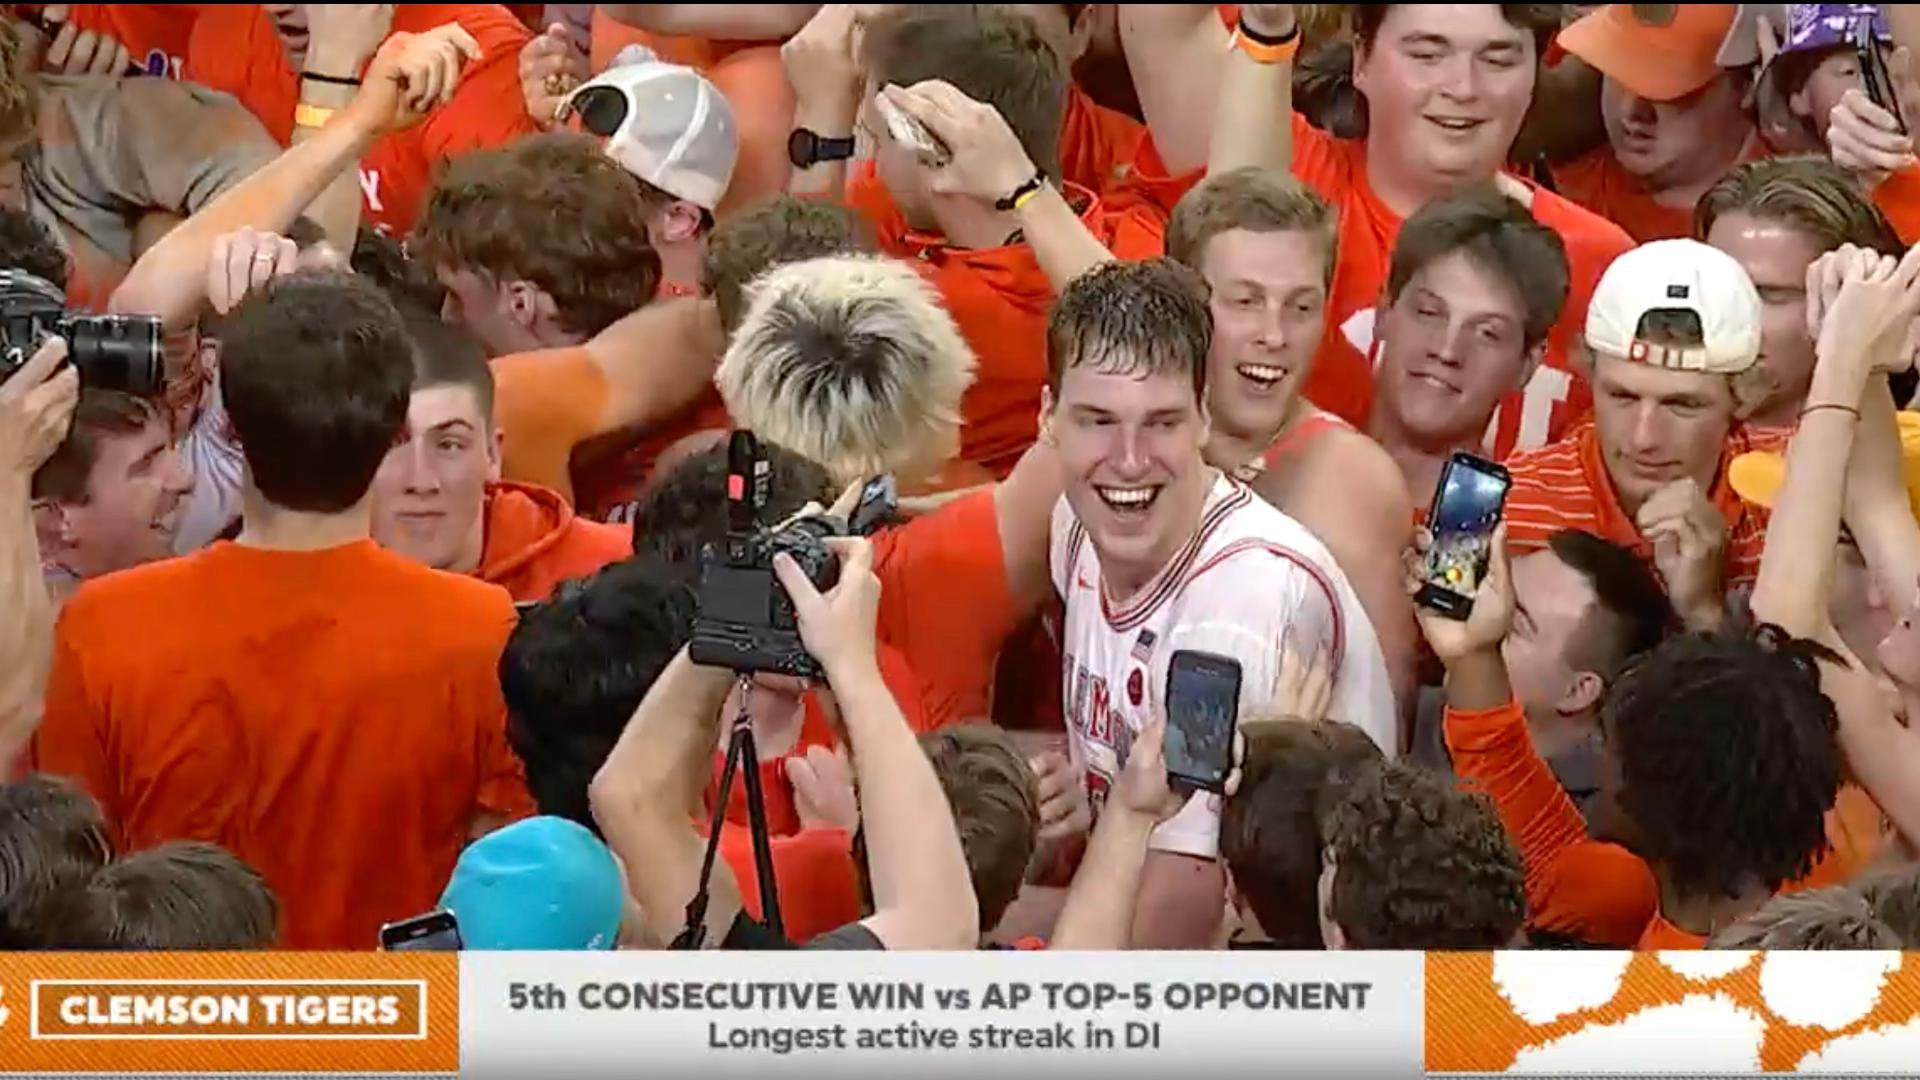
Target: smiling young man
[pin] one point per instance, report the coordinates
(1155, 552)
(1675, 120)
(1446, 87)
(1775, 217)
(1264, 242)
(1475, 287)
(1674, 336)
(438, 497)
(109, 498)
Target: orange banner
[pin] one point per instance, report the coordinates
(1729, 1012)
(230, 1012)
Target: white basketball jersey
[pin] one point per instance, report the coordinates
(1249, 575)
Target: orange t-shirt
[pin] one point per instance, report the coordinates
(156, 35)
(331, 717)
(946, 605)
(1566, 486)
(1342, 379)
(534, 542)
(549, 402)
(236, 49)
(1663, 936)
(1000, 298)
(1898, 197)
(813, 870)
(783, 812)
(1098, 145)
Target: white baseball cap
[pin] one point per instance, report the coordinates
(1677, 275)
(665, 124)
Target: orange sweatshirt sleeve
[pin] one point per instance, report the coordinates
(1898, 197)
(1597, 892)
(819, 890)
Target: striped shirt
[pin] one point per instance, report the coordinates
(1566, 486)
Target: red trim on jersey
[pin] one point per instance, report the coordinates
(1172, 577)
(1313, 570)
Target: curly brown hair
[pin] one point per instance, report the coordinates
(780, 231)
(1420, 864)
(552, 210)
(19, 86)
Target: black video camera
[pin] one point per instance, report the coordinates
(746, 620)
(113, 352)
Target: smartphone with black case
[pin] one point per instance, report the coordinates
(436, 931)
(1467, 506)
(1203, 708)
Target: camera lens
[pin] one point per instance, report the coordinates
(118, 352)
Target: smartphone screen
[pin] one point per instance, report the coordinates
(1203, 706)
(1466, 510)
(436, 931)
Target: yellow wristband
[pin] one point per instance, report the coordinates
(1028, 196)
(1261, 53)
(311, 116)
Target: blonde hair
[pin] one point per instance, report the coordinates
(850, 361)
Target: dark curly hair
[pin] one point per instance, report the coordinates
(576, 667)
(1420, 864)
(1727, 757)
(687, 508)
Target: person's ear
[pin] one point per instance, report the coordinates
(495, 442)
(676, 223)
(1080, 36)
(1582, 694)
(1206, 422)
(1046, 416)
(52, 526)
(527, 304)
(1362, 52)
(1529, 365)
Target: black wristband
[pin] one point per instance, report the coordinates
(330, 80)
(1012, 199)
(1259, 38)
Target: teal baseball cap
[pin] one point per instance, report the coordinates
(544, 883)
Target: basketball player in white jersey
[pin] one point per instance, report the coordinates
(1155, 552)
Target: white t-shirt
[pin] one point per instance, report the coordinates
(1249, 575)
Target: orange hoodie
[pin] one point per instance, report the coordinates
(534, 542)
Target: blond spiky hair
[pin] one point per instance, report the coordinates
(850, 361)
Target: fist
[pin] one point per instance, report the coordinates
(74, 51)
(1689, 536)
(1064, 810)
(244, 261)
(819, 60)
(551, 67)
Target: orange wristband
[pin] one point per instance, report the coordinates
(1264, 53)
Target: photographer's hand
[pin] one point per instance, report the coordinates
(36, 409)
(839, 627)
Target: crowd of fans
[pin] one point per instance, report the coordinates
(1164, 322)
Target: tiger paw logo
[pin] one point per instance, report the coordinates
(1718, 1012)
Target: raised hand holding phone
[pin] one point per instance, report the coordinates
(1467, 508)
(1203, 709)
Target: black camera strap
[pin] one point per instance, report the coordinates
(743, 756)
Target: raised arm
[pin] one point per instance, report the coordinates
(826, 80)
(1864, 303)
(922, 891)
(1256, 126)
(990, 166)
(1175, 53)
(1879, 513)
(1863, 327)
(36, 408)
(1099, 911)
(648, 794)
(408, 77)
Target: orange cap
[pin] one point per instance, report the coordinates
(1658, 62)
